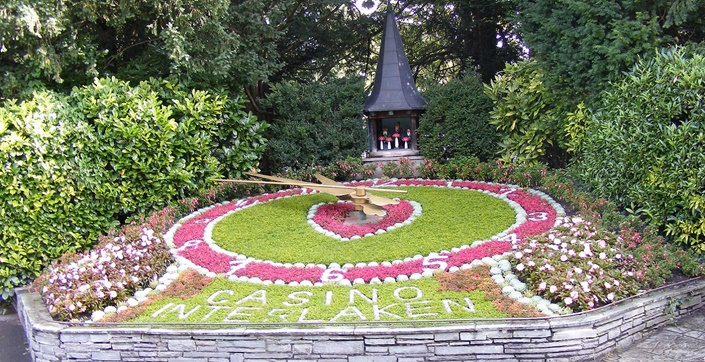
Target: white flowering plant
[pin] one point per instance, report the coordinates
(582, 266)
(78, 284)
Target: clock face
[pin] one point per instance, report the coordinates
(404, 244)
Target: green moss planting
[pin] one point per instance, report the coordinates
(278, 231)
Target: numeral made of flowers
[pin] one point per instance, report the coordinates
(332, 275)
(512, 238)
(191, 244)
(505, 192)
(538, 216)
(437, 260)
(236, 265)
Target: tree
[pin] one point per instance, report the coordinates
(584, 43)
(316, 123)
(445, 39)
(456, 121)
(207, 43)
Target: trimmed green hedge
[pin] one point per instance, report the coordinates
(644, 147)
(315, 124)
(456, 121)
(72, 167)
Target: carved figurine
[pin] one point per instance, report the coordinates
(407, 138)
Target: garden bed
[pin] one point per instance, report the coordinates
(581, 336)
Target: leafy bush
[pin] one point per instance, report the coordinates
(76, 166)
(236, 136)
(455, 122)
(527, 114)
(110, 272)
(402, 168)
(643, 147)
(316, 124)
(46, 199)
(471, 168)
(583, 265)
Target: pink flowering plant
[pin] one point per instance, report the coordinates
(583, 266)
(105, 275)
(332, 217)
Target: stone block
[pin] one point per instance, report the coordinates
(181, 345)
(573, 334)
(78, 355)
(74, 337)
(206, 355)
(377, 349)
(106, 356)
(444, 337)
(531, 333)
(278, 347)
(47, 338)
(469, 350)
(420, 336)
(99, 337)
(242, 345)
(379, 341)
(611, 325)
(372, 359)
(339, 347)
(408, 349)
(302, 348)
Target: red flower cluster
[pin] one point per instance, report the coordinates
(332, 217)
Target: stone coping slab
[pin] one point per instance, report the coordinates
(580, 336)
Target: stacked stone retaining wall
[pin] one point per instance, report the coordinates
(582, 336)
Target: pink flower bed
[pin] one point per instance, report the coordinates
(332, 217)
(188, 243)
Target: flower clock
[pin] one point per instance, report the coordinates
(310, 241)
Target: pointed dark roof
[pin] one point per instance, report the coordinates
(394, 88)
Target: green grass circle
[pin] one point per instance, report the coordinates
(278, 231)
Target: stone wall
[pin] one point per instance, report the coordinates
(581, 336)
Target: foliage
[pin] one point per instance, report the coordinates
(81, 283)
(73, 167)
(207, 43)
(446, 39)
(583, 44)
(47, 205)
(455, 122)
(470, 168)
(236, 136)
(576, 122)
(478, 279)
(351, 168)
(584, 266)
(527, 114)
(401, 168)
(290, 240)
(316, 123)
(141, 155)
(642, 147)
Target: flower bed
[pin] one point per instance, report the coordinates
(330, 218)
(193, 244)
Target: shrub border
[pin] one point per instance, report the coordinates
(579, 336)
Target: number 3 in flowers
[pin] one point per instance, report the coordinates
(435, 260)
(332, 275)
(538, 216)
